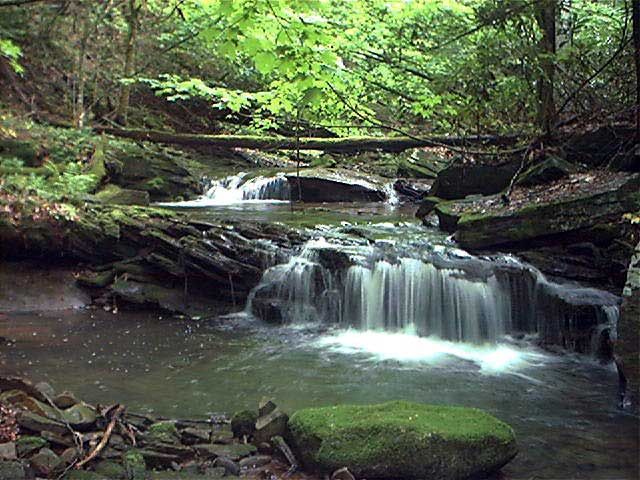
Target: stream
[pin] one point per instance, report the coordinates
(349, 324)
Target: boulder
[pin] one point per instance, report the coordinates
(549, 170)
(65, 400)
(191, 436)
(8, 451)
(37, 423)
(402, 440)
(45, 462)
(12, 471)
(162, 432)
(458, 181)
(235, 451)
(427, 205)
(80, 416)
(27, 444)
(336, 185)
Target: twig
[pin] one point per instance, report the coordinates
(105, 438)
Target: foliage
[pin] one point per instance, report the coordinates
(11, 52)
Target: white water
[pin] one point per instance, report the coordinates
(238, 189)
(407, 347)
(450, 297)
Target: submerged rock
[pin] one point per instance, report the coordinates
(402, 440)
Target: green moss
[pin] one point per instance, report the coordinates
(402, 440)
(163, 432)
(134, 465)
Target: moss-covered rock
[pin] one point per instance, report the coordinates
(163, 432)
(115, 195)
(402, 440)
(243, 423)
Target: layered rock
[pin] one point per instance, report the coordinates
(336, 185)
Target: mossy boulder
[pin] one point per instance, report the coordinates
(114, 195)
(402, 440)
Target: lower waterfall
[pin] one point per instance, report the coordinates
(443, 293)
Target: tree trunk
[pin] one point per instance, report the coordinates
(636, 45)
(129, 61)
(546, 17)
(348, 144)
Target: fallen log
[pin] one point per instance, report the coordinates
(338, 145)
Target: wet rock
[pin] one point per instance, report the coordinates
(427, 206)
(39, 408)
(134, 465)
(231, 467)
(266, 406)
(629, 329)
(80, 416)
(8, 451)
(45, 462)
(170, 449)
(14, 397)
(154, 459)
(243, 423)
(37, 423)
(191, 436)
(402, 440)
(111, 469)
(45, 389)
(57, 439)
(336, 185)
(271, 425)
(17, 383)
(254, 462)
(222, 437)
(233, 452)
(27, 444)
(12, 471)
(65, 400)
(162, 432)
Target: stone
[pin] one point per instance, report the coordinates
(191, 436)
(65, 400)
(85, 475)
(550, 169)
(243, 423)
(215, 472)
(134, 465)
(221, 436)
(110, 469)
(154, 459)
(170, 448)
(254, 462)
(8, 451)
(402, 440)
(27, 444)
(231, 467)
(162, 432)
(114, 195)
(271, 425)
(266, 406)
(45, 389)
(13, 397)
(17, 383)
(427, 205)
(460, 180)
(80, 416)
(234, 452)
(70, 455)
(626, 348)
(57, 439)
(265, 448)
(45, 462)
(336, 185)
(12, 470)
(37, 423)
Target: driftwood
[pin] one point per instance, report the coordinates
(344, 145)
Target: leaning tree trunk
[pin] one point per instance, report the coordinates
(129, 61)
(546, 17)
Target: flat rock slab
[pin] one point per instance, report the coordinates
(402, 440)
(233, 452)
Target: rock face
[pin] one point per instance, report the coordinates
(523, 225)
(402, 440)
(336, 185)
(156, 254)
(629, 327)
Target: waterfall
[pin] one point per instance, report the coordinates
(238, 188)
(445, 294)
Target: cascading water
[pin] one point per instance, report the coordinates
(434, 292)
